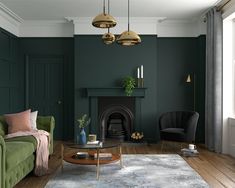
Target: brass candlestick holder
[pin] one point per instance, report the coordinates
(140, 82)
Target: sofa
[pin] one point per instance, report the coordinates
(17, 155)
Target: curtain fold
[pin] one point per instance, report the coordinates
(214, 81)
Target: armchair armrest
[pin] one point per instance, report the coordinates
(191, 127)
(2, 161)
(47, 123)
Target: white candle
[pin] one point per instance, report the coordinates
(138, 72)
(142, 71)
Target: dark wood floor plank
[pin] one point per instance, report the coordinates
(216, 169)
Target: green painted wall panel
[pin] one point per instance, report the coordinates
(100, 65)
(167, 61)
(11, 75)
(53, 47)
(176, 58)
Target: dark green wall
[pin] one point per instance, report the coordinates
(178, 57)
(55, 47)
(11, 78)
(167, 61)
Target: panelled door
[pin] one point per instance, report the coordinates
(45, 85)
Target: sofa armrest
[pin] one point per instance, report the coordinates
(47, 123)
(2, 162)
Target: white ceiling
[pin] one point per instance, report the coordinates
(59, 9)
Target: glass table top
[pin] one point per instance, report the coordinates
(101, 145)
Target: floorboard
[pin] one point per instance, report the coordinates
(217, 170)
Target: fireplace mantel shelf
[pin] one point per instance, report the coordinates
(113, 92)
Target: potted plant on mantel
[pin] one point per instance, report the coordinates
(129, 85)
(82, 123)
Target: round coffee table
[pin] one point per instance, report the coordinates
(91, 150)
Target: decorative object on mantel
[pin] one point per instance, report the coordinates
(192, 80)
(104, 20)
(136, 136)
(128, 38)
(140, 76)
(108, 38)
(83, 122)
(129, 85)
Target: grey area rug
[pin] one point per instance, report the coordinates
(139, 171)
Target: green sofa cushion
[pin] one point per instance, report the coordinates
(30, 139)
(16, 152)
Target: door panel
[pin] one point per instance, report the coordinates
(46, 88)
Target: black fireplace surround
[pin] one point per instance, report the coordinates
(113, 114)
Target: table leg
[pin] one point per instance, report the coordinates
(120, 152)
(98, 164)
(62, 157)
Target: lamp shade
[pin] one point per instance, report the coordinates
(128, 38)
(104, 21)
(188, 80)
(108, 38)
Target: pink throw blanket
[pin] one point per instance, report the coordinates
(42, 152)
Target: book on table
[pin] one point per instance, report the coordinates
(81, 155)
(93, 142)
(189, 152)
(103, 156)
(96, 143)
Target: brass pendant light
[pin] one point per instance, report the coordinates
(128, 38)
(108, 38)
(104, 20)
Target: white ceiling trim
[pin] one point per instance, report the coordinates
(70, 26)
(160, 26)
(10, 13)
(9, 20)
(48, 28)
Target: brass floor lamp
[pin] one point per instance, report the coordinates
(192, 80)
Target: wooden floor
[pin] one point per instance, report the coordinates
(216, 169)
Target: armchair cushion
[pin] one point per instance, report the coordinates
(173, 134)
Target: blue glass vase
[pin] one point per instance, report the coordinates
(82, 137)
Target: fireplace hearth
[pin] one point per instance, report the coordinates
(116, 128)
(116, 117)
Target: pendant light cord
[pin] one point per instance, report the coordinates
(104, 7)
(128, 15)
(108, 13)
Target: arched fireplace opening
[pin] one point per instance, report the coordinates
(116, 122)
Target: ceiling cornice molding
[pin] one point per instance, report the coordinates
(9, 20)
(160, 26)
(88, 20)
(9, 14)
(46, 28)
(44, 22)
